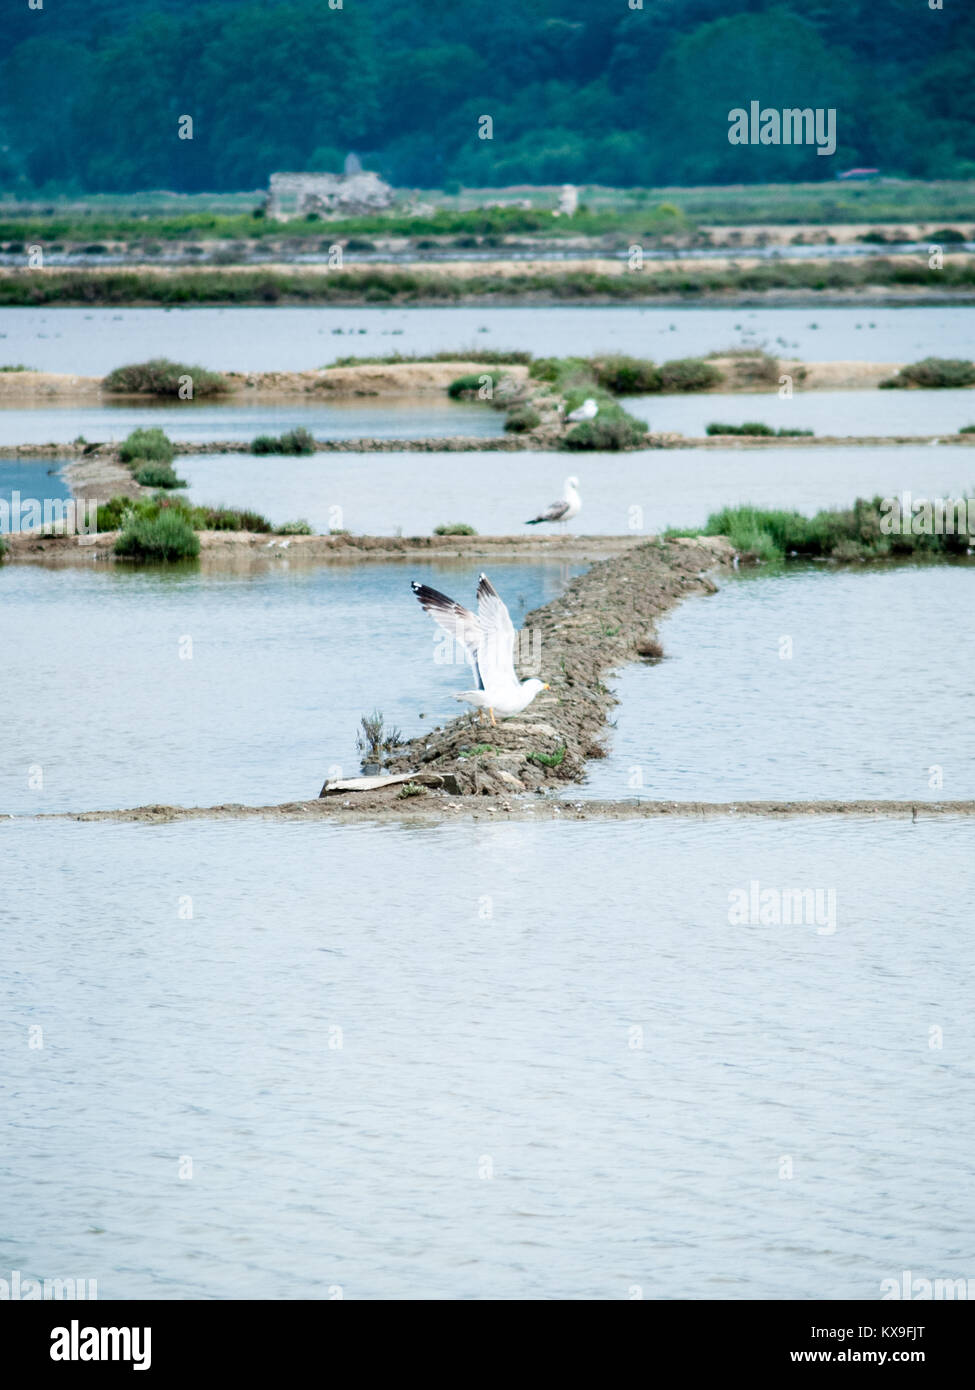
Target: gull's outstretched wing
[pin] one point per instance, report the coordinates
(553, 513)
(460, 622)
(496, 654)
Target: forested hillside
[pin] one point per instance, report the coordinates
(91, 91)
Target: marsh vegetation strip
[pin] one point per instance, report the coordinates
(92, 342)
(808, 682)
(174, 686)
(630, 493)
(406, 1112)
(836, 413)
(190, 422)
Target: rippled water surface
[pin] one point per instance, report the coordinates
(198, 422)
(138, 686)
(809, 683)
(825, 412)
(485, 1061)
(30, 478)
(376, 494)
(91, 342)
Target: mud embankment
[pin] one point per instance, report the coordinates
(411, 379)
(605, 617)
(432, 810)
(248, 550)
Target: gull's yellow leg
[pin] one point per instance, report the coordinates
(493, 720)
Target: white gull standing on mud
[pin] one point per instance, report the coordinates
(568, 506)
(488, 639)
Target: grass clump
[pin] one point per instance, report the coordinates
(689, 374)
(755, 428)
(454, 528)
(860, 532)
(168, 536)
(555, 759)
(373, 737)
(522, 418)
(469, 386)
(411, 789)
(119, 511)
(297, 441)
(478, 750)
(933, 373)
(490, 356)
(294, 528)
(149, 446)
(626, 376)
(158, 475)
(967, 429)
(17, 367)
(160, 377)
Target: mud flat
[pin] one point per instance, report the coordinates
(433, 809)
(252, 549)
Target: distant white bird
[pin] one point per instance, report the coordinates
(568, 506)
(587, 411)
(488, 639)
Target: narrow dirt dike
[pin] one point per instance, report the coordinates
(605, 618)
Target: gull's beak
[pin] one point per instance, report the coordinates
(546, 687)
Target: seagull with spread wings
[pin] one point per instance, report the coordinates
(488, 639)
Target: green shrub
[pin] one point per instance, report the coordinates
(294, 528)
(168, 536)
(967, 429)
(160, 377)
(454, 528)
(158, 475)
(626, 376)
(469, 385)
(297, 441)
(3, 547)
(689, 374)
(933, 373)
(228, 519)
(521, 418)
(607, 433)
(18, 367)
(147, 446)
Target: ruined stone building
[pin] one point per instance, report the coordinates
(330, 195)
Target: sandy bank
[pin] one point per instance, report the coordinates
(408, 380)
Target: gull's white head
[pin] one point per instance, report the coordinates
(572, 484)
(534, 685)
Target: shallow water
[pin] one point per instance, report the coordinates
(826, 412)
(877, 694)
(496, 493)
(562, 1071)
(93, 341)
(199, 422)
(137, 686)
(38, 479)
